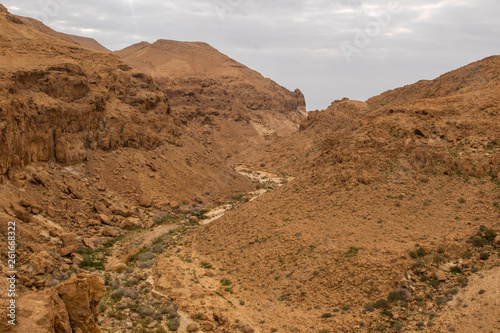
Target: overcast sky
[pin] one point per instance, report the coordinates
(329, 49)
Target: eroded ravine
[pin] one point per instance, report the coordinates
(135, 290)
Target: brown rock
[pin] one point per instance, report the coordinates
(186, 208)
(440, 275)
(76, 258)
(42, 263)
(69, 244)
(51, 212)
(67, 250)
(119, 267)
(145, 201)
(207, 326)
(105, 219)
(110, 232)
(3, 9)
(20, 212)
(120, 209)
(496, 242)
(149, 224)
(90, 243)
(69, 239)
(192, 328)
(92, 222)
(101, 208)
(40, 283)
(248, 330)
(42, 312)
(193, 219)
(174, 204)
(81, 295)
(130, 223)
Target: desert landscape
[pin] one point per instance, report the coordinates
(166, 187)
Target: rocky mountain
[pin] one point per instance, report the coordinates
(414, 169)
(223, 101)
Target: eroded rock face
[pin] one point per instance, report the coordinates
(42, 312)
(81, 295)
(69, 307)
(63, 107)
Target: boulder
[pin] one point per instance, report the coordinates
(110, 232)
(69, 239)
(81, 294)
(120, 209)
(192, 327)
(20, 212)
(76, 258)
(70, 244)
(42, 312)
(42, 263)
(145, 200)
(101, 208)
(105, 219)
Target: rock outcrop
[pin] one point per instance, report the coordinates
(81, 295)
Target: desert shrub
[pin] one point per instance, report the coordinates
(117, 295)
(438, 259)
(173, 324)
(463, 281)
(421, 252)
(146, 256)
(146, 264)
(381, 304)
(131, 293)
(326, 315)
(170, 312)
(434, 283)
(467, 255)
(225, 282)
(132, 282)
(398, 326)
(369, 307)
(145, 311)
(413, 254)
(399, 294)
(158, 316)
(442, 300)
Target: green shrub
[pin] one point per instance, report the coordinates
(421, 252)
(225, 282)
(438, 259)
(369, 307)
(381, 304)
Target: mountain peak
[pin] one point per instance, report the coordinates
(3, 9)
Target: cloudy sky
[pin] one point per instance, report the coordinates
(327, 48)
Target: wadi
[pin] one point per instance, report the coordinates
(166, 187)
